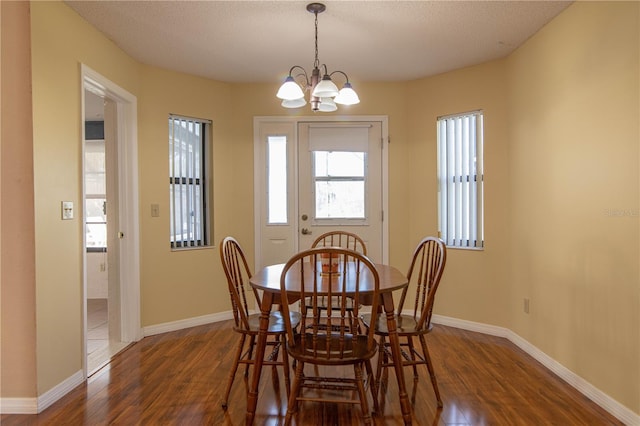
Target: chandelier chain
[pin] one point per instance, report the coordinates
(316, 62)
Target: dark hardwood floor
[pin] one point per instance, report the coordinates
(179, 378)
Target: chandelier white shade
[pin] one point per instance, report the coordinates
(347, 96)
(294, 103)
(323, 93)
(290, 90)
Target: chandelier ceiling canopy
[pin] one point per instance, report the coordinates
(323, 93)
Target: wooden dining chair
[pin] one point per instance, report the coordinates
(342, 239)
(335, 339)
(238, 274)
(425, 270)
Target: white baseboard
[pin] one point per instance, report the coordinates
(19, 406)
(609, 404)
(37, 405)
(186, 323)
(57, 392)
(624, 414)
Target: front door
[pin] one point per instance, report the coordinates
(339, 182)
(318, 175)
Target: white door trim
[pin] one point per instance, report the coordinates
(257, 176)
(128, 203)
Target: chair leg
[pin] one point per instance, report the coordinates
(292, 405)
(412, 351)
(232, 374)
(276, 350)
(252, 341)
(285, 364)
(366, 414)
(381, 356)
(373, 386)
(432, 373)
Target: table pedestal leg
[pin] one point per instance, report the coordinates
(394, 342)
(261, 343)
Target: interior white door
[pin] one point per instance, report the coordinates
(340, 182)
(112, 207)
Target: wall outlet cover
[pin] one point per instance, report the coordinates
(67, 210)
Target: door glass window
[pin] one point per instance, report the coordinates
(277, 179)
(339, 184)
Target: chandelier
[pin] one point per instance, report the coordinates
(324, 94)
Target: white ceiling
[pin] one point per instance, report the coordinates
(258, 41)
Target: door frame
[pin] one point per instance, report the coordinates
(128, 214)
(258, 167)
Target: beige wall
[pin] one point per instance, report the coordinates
(573, 156)
(17, 254)
(474, 285)
(569, 90)
(177, 285)
(60, 42)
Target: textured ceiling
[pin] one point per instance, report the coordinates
(258, 41)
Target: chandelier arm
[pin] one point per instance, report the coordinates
(302, 74)
(341, 72)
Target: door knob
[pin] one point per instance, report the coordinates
(305, 231)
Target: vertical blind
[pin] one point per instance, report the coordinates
(460, 180)
(187, 182)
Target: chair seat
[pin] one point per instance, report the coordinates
(405, 325)
(276, 322)
(351, 349)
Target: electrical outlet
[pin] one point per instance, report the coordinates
(526, 305)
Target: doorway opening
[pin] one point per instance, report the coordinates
(110, 217)
(96, 172)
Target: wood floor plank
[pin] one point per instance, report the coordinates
(178, 378)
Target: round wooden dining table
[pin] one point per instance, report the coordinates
(268, 281)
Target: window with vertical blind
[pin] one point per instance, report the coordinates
(460, 180)
(189, 171)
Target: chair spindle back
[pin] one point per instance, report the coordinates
(238, 274)
(427, 265)
(329, 335)
(343, 239)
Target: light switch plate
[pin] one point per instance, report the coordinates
(67, 210)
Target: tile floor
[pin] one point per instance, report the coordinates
(97, 334)
(99, 348)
